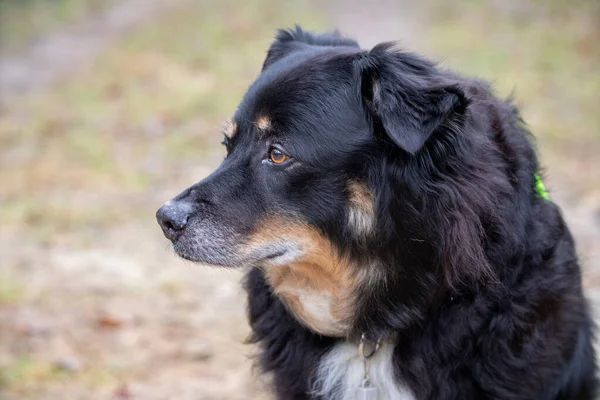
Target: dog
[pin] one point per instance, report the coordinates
(400, 242)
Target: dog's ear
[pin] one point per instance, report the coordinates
(400, 91)
(289, 40)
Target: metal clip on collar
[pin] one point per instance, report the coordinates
(367, 349)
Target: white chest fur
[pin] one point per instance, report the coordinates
(341, 371)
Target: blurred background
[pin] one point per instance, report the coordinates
(110, 107)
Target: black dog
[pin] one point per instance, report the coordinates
(381, 197)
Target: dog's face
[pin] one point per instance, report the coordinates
(288, 189)
(287, 181)
(302, 192)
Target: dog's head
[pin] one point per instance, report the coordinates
(334, 183)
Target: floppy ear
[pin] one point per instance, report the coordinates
(290, 40)
(400, 91)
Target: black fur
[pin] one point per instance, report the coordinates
(481, 285)
(484, 287)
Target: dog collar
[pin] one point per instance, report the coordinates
(540, 188)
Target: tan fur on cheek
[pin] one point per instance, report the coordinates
(361, 214)
(317, 285)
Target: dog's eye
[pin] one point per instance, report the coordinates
(277, 156)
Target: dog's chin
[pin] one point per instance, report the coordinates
(206, 256)
(204, 262)
(225, 257)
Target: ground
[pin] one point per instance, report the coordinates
(109, 108)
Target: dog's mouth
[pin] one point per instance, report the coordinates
(234, 256)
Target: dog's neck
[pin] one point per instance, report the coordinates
(341, 372)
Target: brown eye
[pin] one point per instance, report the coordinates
(277, 156)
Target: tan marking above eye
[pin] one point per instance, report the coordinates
(230, 128)
(263, 123)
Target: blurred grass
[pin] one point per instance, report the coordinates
(11, 290)
(24, 21)
(26, 374)
(150, 106)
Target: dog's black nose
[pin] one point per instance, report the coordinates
(172, 218)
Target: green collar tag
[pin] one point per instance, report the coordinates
(540, 188)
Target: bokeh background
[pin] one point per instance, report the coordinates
(110, 107)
